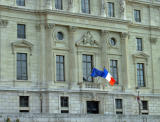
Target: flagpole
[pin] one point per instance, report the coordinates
(139, 106)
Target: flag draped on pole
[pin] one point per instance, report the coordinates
(104, 74)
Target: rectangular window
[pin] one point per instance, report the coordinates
(59, 4)
(85, 6)
(64, 101)
(139, 44)
(20, 2)
(93, 107)
(60, 75)
(140, 75)
(22, 66)
(87, 67)
(144, 107)
(137, 15)
(114, 69)
(21, 31)
(64, 104)
(24, 101)
(119, 106)
(110, 9)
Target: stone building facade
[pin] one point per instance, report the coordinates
(48, 48)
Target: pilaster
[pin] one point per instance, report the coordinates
(72, 56)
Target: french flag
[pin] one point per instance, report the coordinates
(105, 74)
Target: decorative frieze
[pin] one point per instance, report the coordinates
(3, 23)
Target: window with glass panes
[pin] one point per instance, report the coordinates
(92, 107)
(64, 101)
(139, 44)
(144, 105)
(114, 69)
(119, 106)
(87, 67)
(21, 31)
(110, 9)
(85, 6)
(137, 15)
(140, 75)
(59, 4)
(60, 75)
(22, 66)
(24, 101)
(20, 2)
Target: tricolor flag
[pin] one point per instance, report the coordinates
(104, 74)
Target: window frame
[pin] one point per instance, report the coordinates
(24, 108)
(119, 110)
(20, 3)
(64, 109)
(21, 35)
(59, 4)
(63, 63)
(111, 10)
(26, 63)
(112, 67)
(139, 48)
(139, 17)
(98, 109)
(139, 82)
(84, 8)
(86, 62)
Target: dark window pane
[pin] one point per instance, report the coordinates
(137, 15)
(110, 9)
(22, 66)
(58, 4)
(21, 31)
(118, 103)
(85, 6)
(20, 2)
(24, 101)
(139, 44)
(24, 111)
(114, 69)
(87, 67)
(144, 105)
(140, 75)
(60, 36)
(64, 111)
(92, 107)
(60, 76)
(64, 101)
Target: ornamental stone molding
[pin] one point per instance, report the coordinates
(73, 28)
(22, 44)
(49, 26)
(87, 40)
(153, 40)
(3, 23)
(140, 55)
(124, 35)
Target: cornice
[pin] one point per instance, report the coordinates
(150, 3)
(142, 26)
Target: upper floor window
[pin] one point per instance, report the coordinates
(21, 31)
(119, 106)
(114, 69)
(92, 107)
(139, 44)
(140, 75)
(22, 66)
(85, 6)
(20, 2)
(87, 67)
(111, 9)
(59, 4)
(137, 15)
(60, 75)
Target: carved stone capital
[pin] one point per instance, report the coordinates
(3, 23)
(124, 36)
(73, 28)
(153, 40)
(49, 26)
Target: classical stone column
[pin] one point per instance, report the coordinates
(3, 25)
(48, 53)
(70, 5)
(125, 71)
(72, 57)
(48, 4)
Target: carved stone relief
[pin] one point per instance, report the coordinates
(87, 40)
(3, 23)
